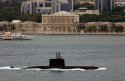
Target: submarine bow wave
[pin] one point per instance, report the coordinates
(52, 69)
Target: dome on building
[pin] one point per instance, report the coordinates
(63, 13)
(16, 21)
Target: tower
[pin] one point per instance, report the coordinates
(59, 61)
(104, 5)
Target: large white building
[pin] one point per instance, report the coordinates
(60, 23)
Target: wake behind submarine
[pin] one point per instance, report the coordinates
(59, 63)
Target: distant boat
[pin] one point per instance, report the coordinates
(15, 36)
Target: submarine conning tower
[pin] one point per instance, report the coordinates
(59, 61)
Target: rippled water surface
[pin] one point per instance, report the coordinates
(103, 51)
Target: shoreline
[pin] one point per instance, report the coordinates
(120, 34)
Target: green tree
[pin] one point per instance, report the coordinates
(91, 29)
(118, 10)
(103, 28)
(89, 18)
(118, 28)
(38, 18)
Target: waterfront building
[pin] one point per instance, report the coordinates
(60, 23)
(4, 23)
(30, 27)
(4, 26)
(46, 6)
(20, 27)
(106, 27)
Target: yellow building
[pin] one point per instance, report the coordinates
(60, 23)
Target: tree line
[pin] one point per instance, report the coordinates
(10, 10)
(102, 17)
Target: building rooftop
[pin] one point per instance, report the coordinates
(4, 22)
(63, 13)
(83, 8)
(62, 1)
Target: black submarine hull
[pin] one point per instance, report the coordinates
(63, 67)
(59, 63)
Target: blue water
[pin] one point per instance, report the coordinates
(102, 51)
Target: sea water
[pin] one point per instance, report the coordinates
(106, 52)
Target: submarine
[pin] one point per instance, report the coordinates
(59, 63)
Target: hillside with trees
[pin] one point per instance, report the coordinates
(10, 10)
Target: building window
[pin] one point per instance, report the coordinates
(44, 28)
(52, 28)
(47, 4)
(56, 29)
(39, 11)
(35, 4)
(59, 28)
(41, 5)
(64, 29)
